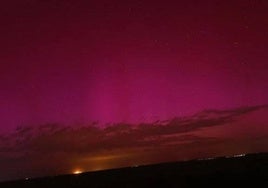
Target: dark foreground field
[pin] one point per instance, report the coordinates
(249, 170)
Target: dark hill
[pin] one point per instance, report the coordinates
(249, 170)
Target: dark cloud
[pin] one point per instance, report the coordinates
(90, 138)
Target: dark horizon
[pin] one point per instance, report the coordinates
(246, 170)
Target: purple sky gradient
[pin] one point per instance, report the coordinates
(65, 65)
(68, 62)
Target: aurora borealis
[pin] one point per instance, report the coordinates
(75, 64)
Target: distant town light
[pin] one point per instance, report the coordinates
(240, 155)
(77, 172)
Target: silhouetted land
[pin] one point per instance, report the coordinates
(249, 170)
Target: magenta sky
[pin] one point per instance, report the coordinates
(111, 61)
(67, 62)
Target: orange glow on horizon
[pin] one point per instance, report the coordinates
(77, 172)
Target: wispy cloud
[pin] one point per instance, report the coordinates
(90, 138)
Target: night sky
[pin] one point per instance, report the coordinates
(96, 74)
